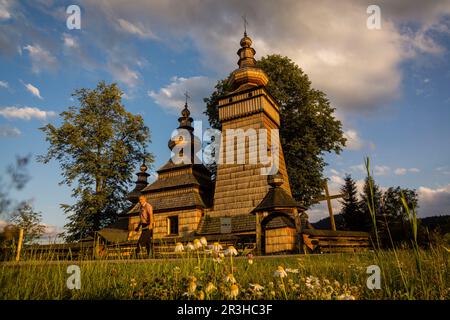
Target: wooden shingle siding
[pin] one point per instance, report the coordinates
(280, 240)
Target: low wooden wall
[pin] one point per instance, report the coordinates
(326, 241)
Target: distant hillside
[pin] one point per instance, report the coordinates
(432, 223)
(326, 225)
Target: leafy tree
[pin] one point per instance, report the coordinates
(16, 178)
(98, 146)
(308, 126)
(395, 216)
(371, 196)
(353, 216)
(31, 221)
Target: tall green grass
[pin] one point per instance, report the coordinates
(406, 273)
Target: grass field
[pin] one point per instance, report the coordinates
(405, 274)
(202, 273)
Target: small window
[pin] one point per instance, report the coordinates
(230, 100)
(250, 94)
(172, 225)
(225, 225)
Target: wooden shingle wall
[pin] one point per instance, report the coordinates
(280, 240)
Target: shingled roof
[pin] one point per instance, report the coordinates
(116, 232)
(242, 223)
(200, 176)
(276, 197)
(175, 201)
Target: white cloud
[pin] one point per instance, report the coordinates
(358, 168)
(381, 170)
(25, 113)
(335, 172)
(33, 90)
(337, 180)
(5, 12)
(403, 171)
(324, 38)
(400, 171)
(136, 29)
(69, 41)
(171, 97)
(434, 201)
(354, 141)
(377, 170)
(4, 84)
(443, 170)
(124, 74)
(40, 58)
(9, 132)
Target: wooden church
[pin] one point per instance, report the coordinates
(240, 206)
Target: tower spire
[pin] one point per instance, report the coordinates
(244, 17)
(248, 74)
(187, 97)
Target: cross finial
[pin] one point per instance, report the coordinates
(187, 96)
(244, 17)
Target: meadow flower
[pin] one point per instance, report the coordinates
(216, 247)
(231, 251)
(189, 246)
(203, 241)
(250, 258)
(291, 270)
(201, 295)
(256, 287)
(179, 247)
(133, 283)
(346, 296)
(217, 259)
(176, 270)
(230, 278)
(280, 272)
(312, 282)
(192, 287)
(193, 278)
(210, 287)
(197, 244)
(234, 291)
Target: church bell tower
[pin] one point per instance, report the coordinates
(249, 107)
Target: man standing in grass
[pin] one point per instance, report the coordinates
(146, 221)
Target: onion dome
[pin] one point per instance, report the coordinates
(247, 75)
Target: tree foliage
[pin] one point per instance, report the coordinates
(308, 127)
(351, 209)
(98, 146)
(16, 178)
(30, 220)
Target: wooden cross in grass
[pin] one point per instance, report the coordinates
(328, 198)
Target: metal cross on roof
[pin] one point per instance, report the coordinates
(187, 96)
(244, 17)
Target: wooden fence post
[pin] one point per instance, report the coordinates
(19, 244)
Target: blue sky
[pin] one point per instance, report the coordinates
(390, 86)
